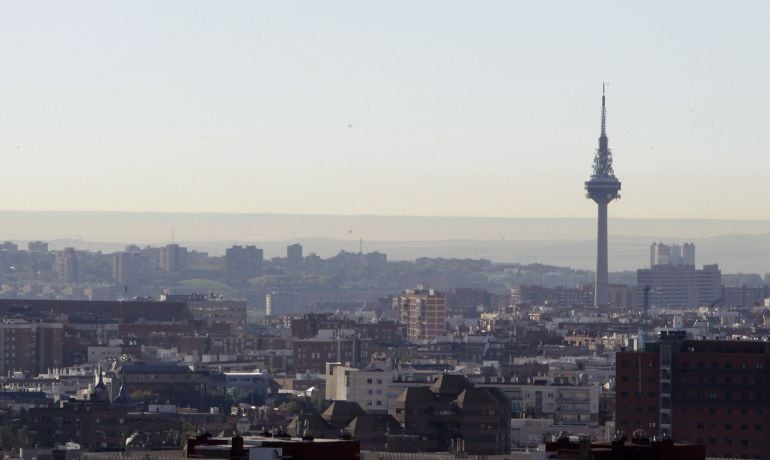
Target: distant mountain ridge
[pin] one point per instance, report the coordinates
(738, 246)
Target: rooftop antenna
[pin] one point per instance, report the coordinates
(173, 235)
(360, 245)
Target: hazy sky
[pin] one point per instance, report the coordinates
(414, 108)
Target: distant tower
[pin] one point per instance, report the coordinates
(602, 187)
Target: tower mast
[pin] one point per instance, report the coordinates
(602, 187)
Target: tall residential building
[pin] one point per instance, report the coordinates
(242, 263)
(602, 188)
(37, 246)
(128, 268)
(294, 255)
(663, 254)
(679, 285)
(709, 392)
(30, 347)
(173, 258)
(69, 266)
(423, 311)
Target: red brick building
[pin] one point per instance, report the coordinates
(710, 392)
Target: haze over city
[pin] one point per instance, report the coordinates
(377, 231)
(426, 109)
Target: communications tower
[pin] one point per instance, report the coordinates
(602, 187)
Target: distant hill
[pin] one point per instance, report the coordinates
(736, 245)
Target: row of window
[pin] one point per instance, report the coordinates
(726, 425)
(727, 396)
(727, 365)
(728, 380)
(727, 410)
(700, 410)
(700, 365)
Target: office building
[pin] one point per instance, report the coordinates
(679, 285)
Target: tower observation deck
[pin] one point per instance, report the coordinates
(602, 187)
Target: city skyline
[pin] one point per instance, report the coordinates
(343, 108)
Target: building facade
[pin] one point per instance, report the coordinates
(30, 347)
(710, 392)
(242, 263)
(423, 311)
(69, 266)
(679, 285)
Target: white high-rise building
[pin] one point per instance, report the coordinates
(677, 254)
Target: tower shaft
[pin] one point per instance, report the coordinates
(601, 283)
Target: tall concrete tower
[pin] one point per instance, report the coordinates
(602, 187)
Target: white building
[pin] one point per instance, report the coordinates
(576, 405)
(369, 387)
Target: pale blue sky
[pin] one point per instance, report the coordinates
(411, 108)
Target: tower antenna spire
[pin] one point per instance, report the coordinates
(604, 113)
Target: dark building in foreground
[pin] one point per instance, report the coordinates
(270, 445)
(710, 392)
(621, 449)
(452, 412)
